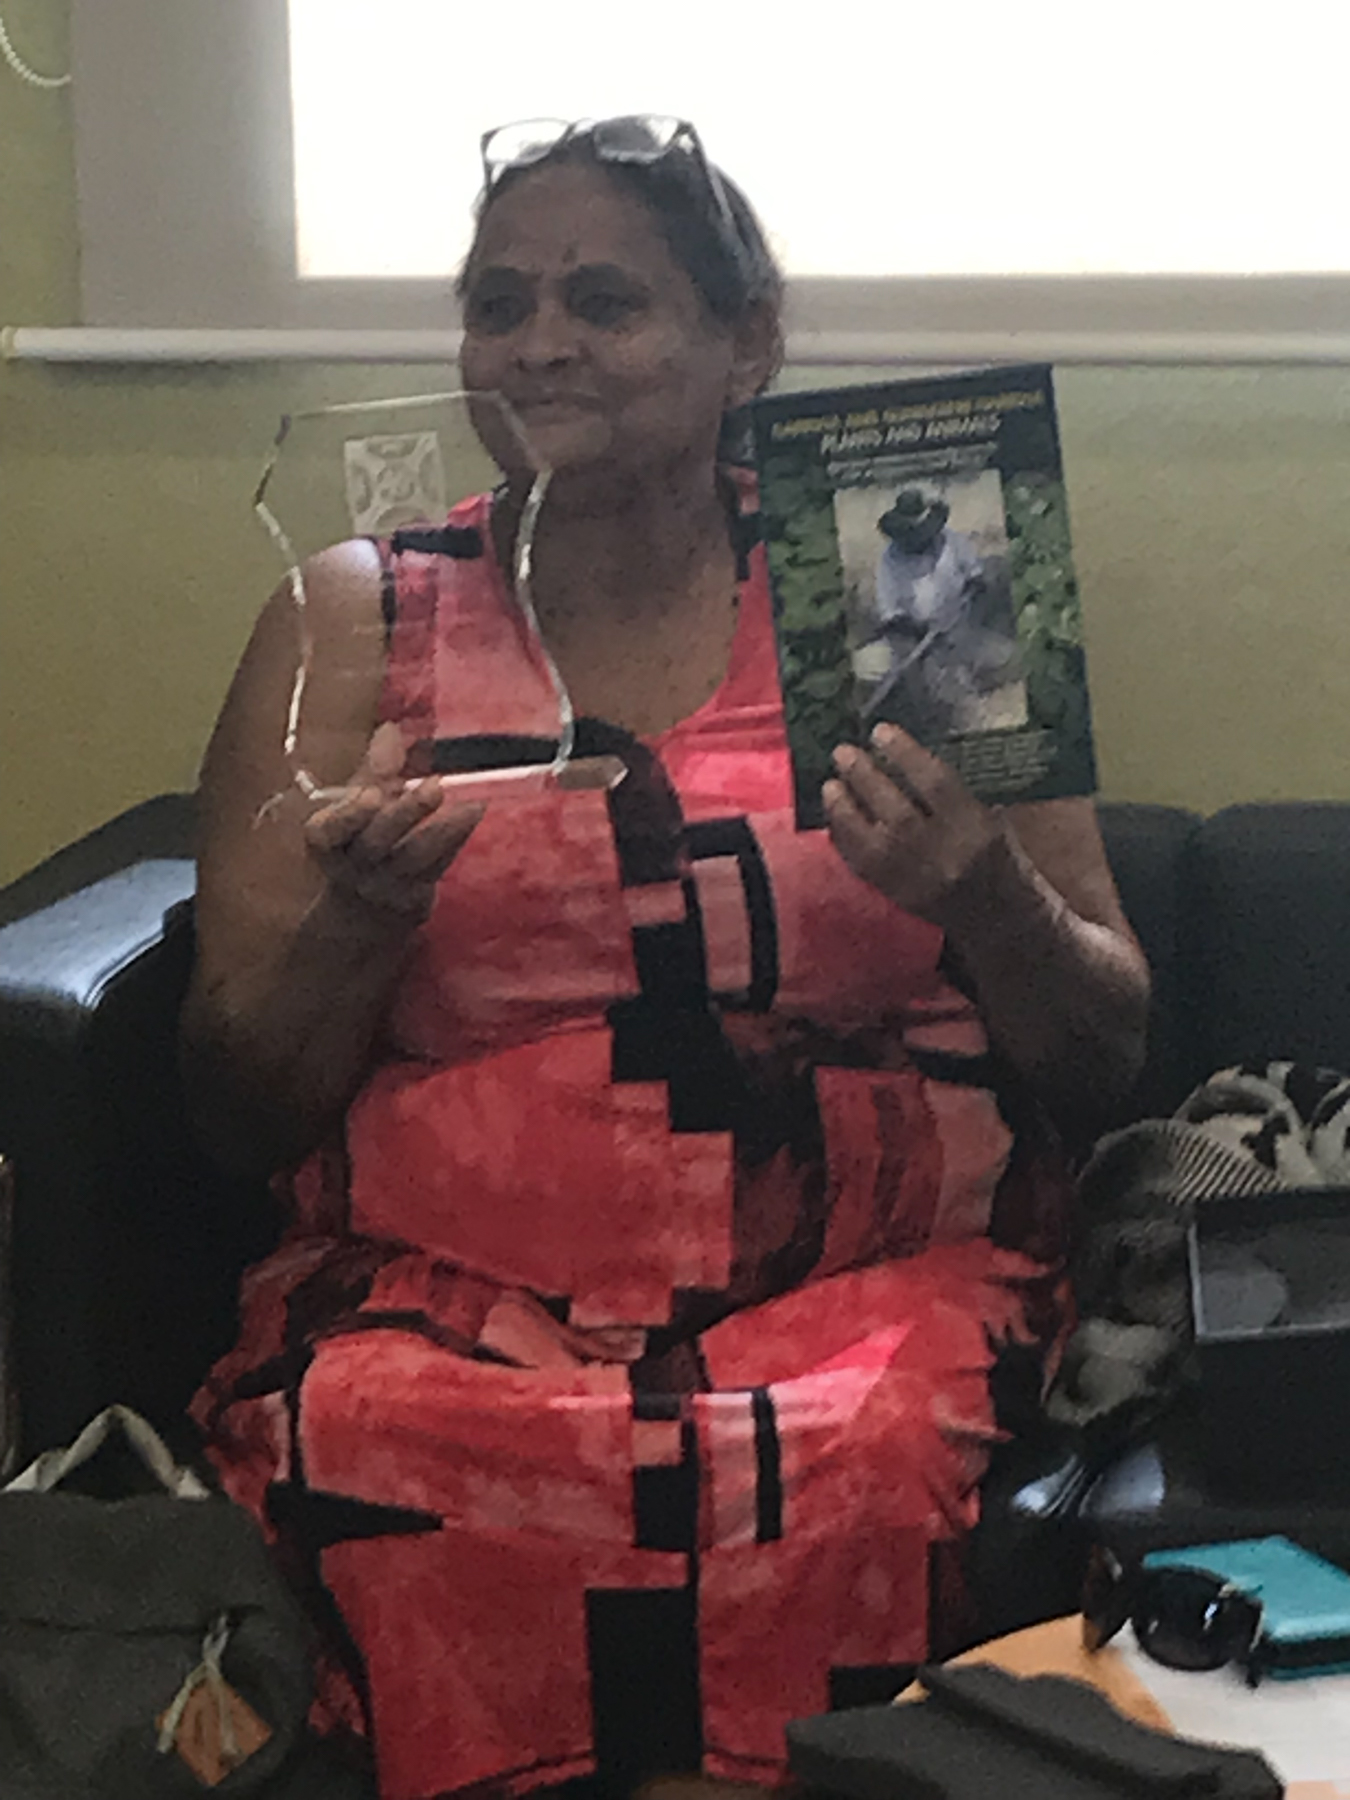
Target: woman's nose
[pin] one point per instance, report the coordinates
(548, 338)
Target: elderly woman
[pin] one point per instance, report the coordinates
(663, 1178)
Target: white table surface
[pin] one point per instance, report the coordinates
(1302, 1727)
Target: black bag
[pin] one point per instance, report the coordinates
(982, 1732)
(148, 1647)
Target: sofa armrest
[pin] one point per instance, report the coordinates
(127, 1244)
(160, 829)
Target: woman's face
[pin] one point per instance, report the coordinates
(576, 311)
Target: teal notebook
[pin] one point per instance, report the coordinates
(1305, 1601)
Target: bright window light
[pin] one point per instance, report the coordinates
(974, 137)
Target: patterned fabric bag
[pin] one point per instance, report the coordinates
(1261, 1128)
(147, 1645)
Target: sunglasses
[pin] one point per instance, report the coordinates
(1183, 1618)
(640, 139)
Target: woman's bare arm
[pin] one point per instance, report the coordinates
(305, 913)
(1060, 975)
(1030, 910)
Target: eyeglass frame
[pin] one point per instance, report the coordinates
(1126, 1584)
(682, 137)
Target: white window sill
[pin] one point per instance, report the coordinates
(818, 348)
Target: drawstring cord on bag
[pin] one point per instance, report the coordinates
(207, 1673)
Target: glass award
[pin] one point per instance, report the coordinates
(392, 471)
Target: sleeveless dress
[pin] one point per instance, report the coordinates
(664, 1256)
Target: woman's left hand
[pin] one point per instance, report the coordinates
(904, 821)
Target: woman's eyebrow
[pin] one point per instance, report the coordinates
(503, 274)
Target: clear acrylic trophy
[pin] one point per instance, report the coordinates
(392, 469)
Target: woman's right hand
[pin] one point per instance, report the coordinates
(386, 842)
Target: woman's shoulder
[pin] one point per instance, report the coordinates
(320, 635)
(345, 583)
(344, 575)
(340, 584)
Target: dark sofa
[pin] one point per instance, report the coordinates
(128, 1248)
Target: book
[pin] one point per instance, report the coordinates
(917, 536)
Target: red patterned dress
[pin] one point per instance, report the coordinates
(664, 1256)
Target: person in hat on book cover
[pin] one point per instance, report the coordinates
(931, 655)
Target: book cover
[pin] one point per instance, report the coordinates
(917, 537)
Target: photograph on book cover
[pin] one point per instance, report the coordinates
(918, 549)
(928, 604)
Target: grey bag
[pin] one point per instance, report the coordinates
(134, 1631)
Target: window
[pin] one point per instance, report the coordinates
(970, 167)
(974, 138)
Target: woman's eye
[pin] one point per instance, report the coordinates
(497, 313)
(605, 308)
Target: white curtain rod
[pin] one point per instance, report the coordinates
(94, 344)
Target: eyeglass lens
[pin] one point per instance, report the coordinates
(1106, 1598)
(516, 146)
(636, 138)
(1188, 1619)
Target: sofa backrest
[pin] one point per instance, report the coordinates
(1243, 916)
(1149, 849)
(1269, 910)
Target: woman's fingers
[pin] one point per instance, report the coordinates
(851, 828)
(875, 796)
(904, 821)
(387, 841)
(390, 848)
(368, 821)
(405, 884)
(397, 815)
(360, 816)
(922, 777)
(335, 825)
(425, 854)
(386, 754)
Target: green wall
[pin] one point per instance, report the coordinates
(1209, 506)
